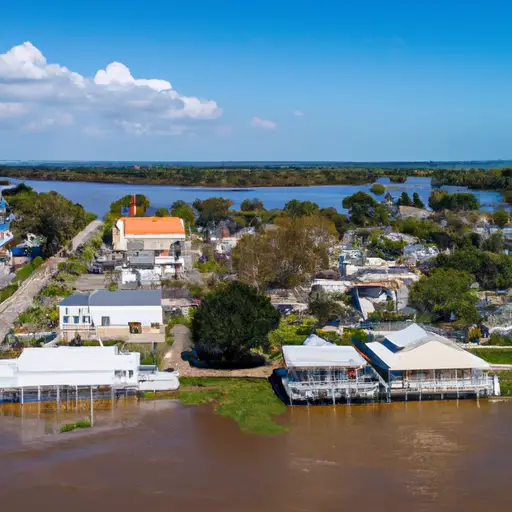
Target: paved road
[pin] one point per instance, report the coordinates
(22, 299)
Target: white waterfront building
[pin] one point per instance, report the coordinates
(322, 371)
(414, 362)
(38, 370)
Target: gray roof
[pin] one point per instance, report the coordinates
(126, 298)
(117, 298)
(77, 299)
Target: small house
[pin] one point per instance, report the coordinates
(131, 315)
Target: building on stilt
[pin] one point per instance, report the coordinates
(327, 373)
(415, 363)
(52, 373)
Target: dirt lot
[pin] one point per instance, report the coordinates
(90, 282)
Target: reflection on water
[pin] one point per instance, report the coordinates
(162, 455)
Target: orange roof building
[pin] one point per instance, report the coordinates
(147, 233)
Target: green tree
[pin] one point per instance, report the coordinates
(484, 265)
(404, 200)
(325, 308)
(184, 211)
(494, 243)
(232, 321)
(212, 210)
(445, 292)
(500, 217)
(162, 212)
(287, 256)
(416, 201)
(49, 215)
(459, 201)
(296, 208)
(363, 209)
(249, 205)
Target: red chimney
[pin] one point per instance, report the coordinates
(133, 206)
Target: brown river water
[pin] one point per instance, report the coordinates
(161, 456)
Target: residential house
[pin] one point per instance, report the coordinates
(162, 236)
(131, 315)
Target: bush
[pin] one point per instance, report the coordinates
(378, 189)
(24, 272)
(72, 426)
(7, 292)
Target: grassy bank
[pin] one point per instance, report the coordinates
(493, 355)
(506, 383)
(250, 402)
(68, 427)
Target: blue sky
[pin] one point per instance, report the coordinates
(280, 80)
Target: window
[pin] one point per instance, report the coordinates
(105, 321)
(65, 319)
(85, 319)
(76, 319)
(130, 373)
(118, 373)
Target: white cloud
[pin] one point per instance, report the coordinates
(46, 96)
(264, 124)
(11, 109)
(298, 113)
(40, 125)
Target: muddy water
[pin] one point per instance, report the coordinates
(158, 456)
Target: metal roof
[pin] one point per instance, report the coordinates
(125, 298)
(304, 356)
(316, 341)
(116, 298)
(77, 299)
(433, 354)
(408, 336)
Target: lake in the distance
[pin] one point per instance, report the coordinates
(97, 197)
(159, 456)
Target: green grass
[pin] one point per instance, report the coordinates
(250, 402)
(493, 355)
(68, 427)
(505, 383)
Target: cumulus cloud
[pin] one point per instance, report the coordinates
(264, 124)
(47, 96)
(298, 113)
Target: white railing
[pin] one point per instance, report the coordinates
(77, 326)
(329, 384)
(443, 384)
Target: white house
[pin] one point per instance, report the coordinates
(147, 233)
(42, 370)
(131, 315)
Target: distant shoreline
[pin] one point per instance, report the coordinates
(247, 179)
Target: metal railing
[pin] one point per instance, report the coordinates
(443, 384)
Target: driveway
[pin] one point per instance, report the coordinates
(11, 308)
